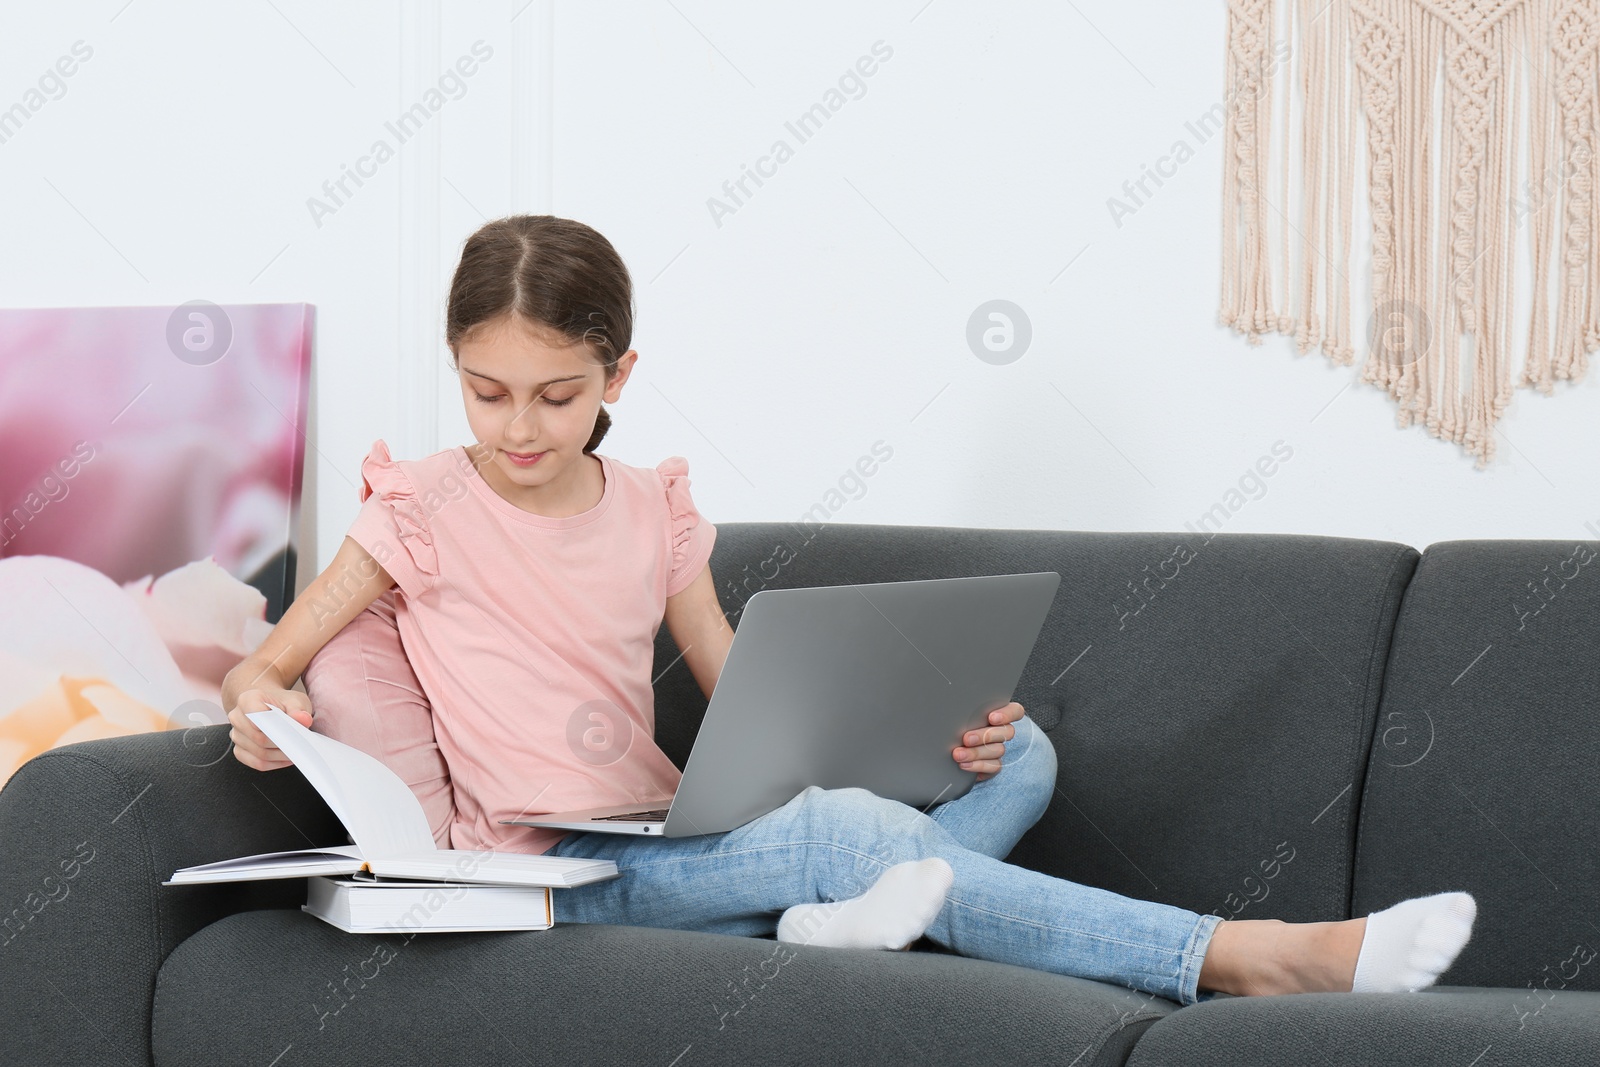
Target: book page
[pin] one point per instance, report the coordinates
(497, 868)
(327, 861)
(283, 859)
(381, 812)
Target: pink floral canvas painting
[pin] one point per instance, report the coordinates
(150, 477)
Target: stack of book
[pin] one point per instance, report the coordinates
(363, 905)
(394, 879)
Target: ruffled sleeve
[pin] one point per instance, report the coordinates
(393, 525)
(690, 536)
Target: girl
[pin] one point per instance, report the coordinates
(496, 608)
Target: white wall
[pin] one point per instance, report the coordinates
(779, 343)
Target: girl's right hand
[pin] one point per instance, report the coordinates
(253, 748)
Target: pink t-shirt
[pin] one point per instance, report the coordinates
(534, 637)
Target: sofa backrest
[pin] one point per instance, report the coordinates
(1211, 701)
(1483, 774)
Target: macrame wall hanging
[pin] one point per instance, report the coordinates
(1479, 119)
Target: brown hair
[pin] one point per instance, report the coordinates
(553, 273)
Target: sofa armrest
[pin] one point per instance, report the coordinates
(89, 831)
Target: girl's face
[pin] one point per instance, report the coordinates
(534, 404)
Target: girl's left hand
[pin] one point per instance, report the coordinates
(987, 744)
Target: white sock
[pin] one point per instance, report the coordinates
(1410, 945)
(899, 907)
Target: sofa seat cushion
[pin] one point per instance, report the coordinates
(260, 985)
(1454, 1025)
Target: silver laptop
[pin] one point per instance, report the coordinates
(845, 685)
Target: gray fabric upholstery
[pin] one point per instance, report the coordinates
(1440, 1025)
(85, 937)
(1484, 772)
(1232, 719)
(246, 989)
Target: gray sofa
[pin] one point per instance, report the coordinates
(1264, 726)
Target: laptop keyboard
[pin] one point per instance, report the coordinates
(653, 815)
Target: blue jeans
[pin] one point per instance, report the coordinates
(832, 844)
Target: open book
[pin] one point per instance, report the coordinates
(387, 824)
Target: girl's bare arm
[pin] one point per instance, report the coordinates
(351, 581)
(698, 627)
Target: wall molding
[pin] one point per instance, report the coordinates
(533, 108)
(421, 287)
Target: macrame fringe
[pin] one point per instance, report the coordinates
(1443, 193)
